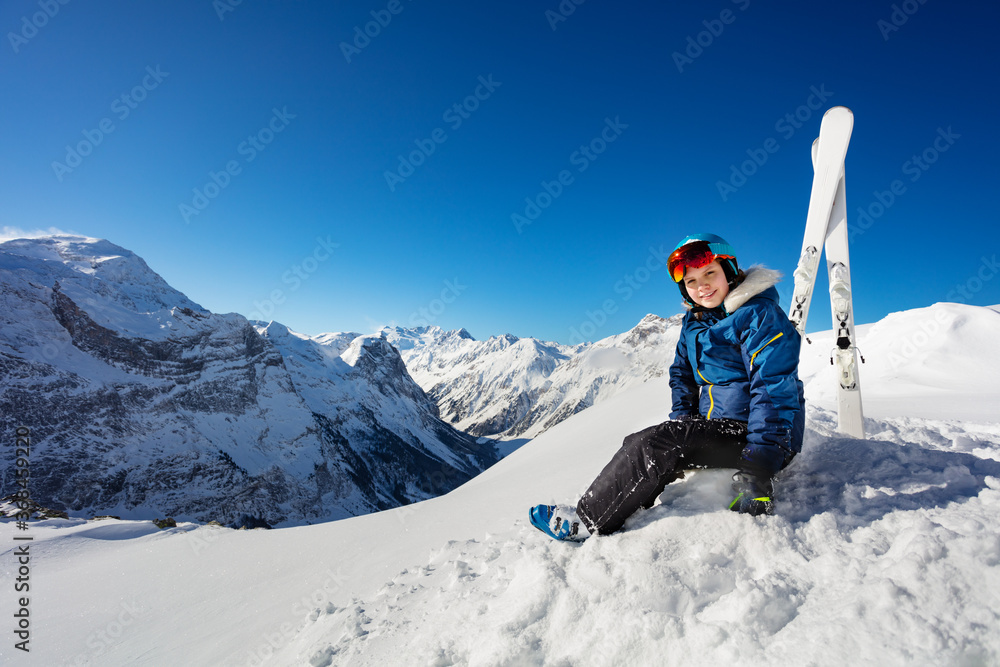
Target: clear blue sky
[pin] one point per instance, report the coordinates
(305, 227)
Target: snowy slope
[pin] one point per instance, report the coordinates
(939, 362)
(884, 551)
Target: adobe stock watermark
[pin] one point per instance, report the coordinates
(437, 482)
(99, 641)
(787, 125)
(46, 348)
(900, 14)
(122, 107)
(426, 315)
(562, 12)
(714, 28)
(987, 271)
(30, 25)
(915, 167)
(297, 273)
(248, 149)
(904, 350)
(303, 609)
(204, 536)
(454, 116)
(585, 155)
(223, 7)
(381, 19)
(626, 287)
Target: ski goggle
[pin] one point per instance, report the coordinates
(694, 255)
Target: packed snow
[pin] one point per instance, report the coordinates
(881, 551)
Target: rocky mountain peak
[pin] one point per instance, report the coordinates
(509, 387)
(141, 402)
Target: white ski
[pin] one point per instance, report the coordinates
(850, 416)
(834, 135)
(826, 222)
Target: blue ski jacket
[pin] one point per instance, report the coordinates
(740, 361)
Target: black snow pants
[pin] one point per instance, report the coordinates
(652, 458)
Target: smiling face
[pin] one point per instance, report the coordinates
(707, 286)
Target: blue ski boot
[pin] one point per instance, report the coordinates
(558, 522)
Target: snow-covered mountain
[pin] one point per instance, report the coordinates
(508, 387)
(883, 551)
(140, 402)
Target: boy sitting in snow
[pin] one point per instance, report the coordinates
(737, 399)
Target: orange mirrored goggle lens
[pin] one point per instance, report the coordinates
(694, 255)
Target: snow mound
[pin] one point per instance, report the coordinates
(931, 346)
(882, 550)
(938, 361)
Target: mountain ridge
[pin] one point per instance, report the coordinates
(141, 402)
(508, 387)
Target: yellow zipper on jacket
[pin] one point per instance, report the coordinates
(711, 399)
(765, 345)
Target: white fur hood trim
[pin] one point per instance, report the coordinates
(758, 279)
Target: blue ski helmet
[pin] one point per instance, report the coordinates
(698, 250)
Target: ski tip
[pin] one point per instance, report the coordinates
(837, 111)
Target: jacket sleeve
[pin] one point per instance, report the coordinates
(683, 386)
(770, 349)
